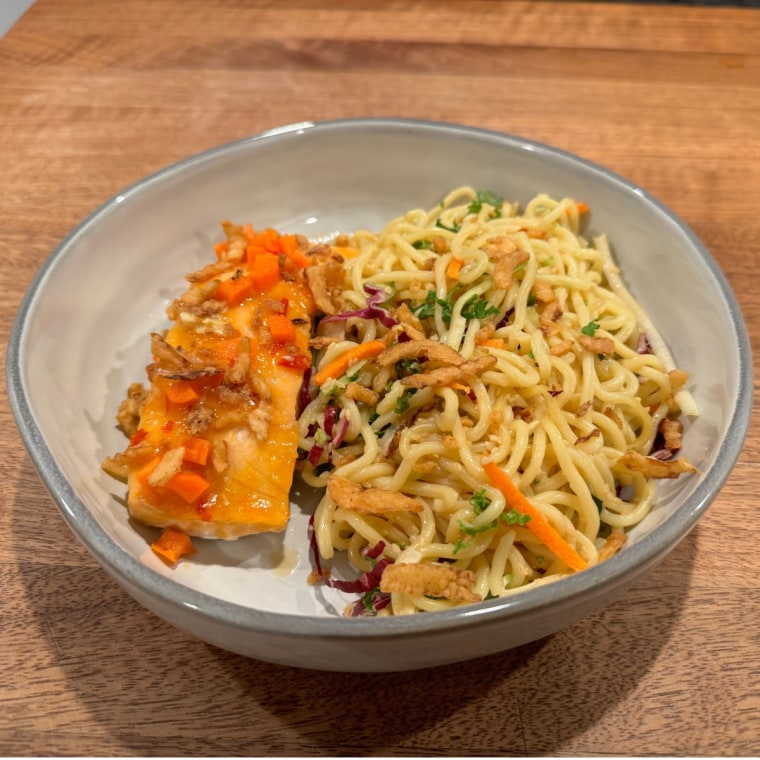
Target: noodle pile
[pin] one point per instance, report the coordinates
(497, 334)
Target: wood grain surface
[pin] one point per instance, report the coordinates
(93, 96)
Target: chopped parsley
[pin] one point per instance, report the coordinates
(423, 245)
(402, 402)
(513, 517)
(477, 308)
(454, 228)
(591, 328)
(479, 501)
(598, 502)
(486, 197)
(426, 309)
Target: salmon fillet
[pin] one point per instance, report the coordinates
(214, 438)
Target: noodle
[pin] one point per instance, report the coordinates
(541, 362)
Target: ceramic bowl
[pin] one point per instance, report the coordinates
(70, 359)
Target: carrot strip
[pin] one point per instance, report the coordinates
(538, 525)
(454, 267)
(265, 272)
(338, 366)
(188, 485)
(282, 329)
(196, 450)
(172, 545)
(492, 343)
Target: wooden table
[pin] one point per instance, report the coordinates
(94, 96)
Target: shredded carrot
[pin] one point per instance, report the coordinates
(196, 450)
(234, 290)
(180, 392)
(265, 272)
(188, 485)
(289, 246)
(282, 329)
(454, 267)
(538, 525)
(172, 545)
(492, 343)
(338, 366)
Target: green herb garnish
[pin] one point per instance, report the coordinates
(487, 197)
(478, 308)
(591, 328)
(479, 501)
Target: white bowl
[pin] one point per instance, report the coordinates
(81, 334)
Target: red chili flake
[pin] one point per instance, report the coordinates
(139, 436)
(299, 361)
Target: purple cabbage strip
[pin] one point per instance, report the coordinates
(375, 296)
(304, 393)
(643, 347)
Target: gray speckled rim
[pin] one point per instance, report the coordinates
(117, 562)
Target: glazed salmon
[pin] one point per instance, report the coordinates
(213, 435)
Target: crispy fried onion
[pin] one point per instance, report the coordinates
(171, 362)
(614, 543)
(128, 415)
(421, 349)
(374, 501)
(429, 580)
(325, 280)
(506, 257)
(449, 375)
(598, 345)
(651, 467)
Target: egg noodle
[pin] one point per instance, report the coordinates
(499, 336)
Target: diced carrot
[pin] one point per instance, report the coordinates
(180, 392)
(265, 272)
(582, 207)
(454, 267)
(227, 351)
(338, 366)
(172, 545)
(270, 240)
(196, 450)
(188, 485)
(289, 245)
(235, 290)
(282, 329)
(538, 525)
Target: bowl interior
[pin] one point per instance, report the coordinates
(81, 338)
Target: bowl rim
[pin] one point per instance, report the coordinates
(122, 565)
